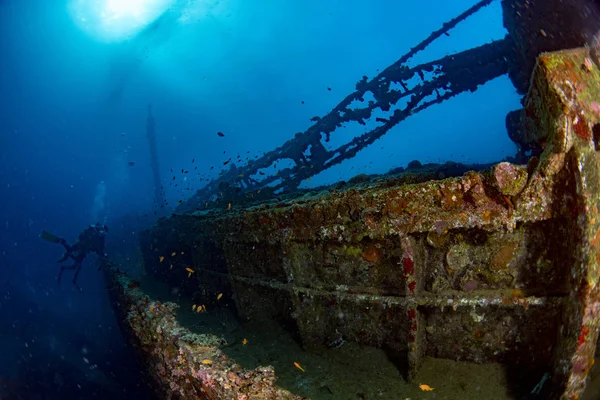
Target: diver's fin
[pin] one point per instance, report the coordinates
(50, 237)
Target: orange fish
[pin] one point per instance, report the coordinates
(298, 366)
(161, 258)
(219, 296)
(245, 341)
(173, 254)
(425, 388)
(190, 272)
(206, 361)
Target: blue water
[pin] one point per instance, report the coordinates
(76, 78)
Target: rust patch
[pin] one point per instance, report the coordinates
(503, 257)
(371, 253)
(581, 128)
(396, 207)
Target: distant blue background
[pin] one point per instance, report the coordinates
(239, 67)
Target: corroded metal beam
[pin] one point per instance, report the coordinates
(565, 97)
(438, 81)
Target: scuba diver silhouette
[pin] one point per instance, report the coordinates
(91, 240)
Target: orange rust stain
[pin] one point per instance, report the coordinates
(596, 239)
(450, 199)
(503, 257)
(508, 301)
(396, 207)
(371, 253)
(487, 216)
(509, 203)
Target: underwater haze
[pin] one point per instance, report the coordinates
(225, 79)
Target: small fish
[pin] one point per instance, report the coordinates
(161, 258)
(425, 388)
(298, 366)
(220, 134)
(219, 296)
(173, 254)
(229, 206)
(182, 253)
(131, 163)
(245, 341)
(171, 267)
(206, 361)
(191, 271)
(194, 307)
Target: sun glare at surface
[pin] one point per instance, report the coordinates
(120, 7)
(116, 20)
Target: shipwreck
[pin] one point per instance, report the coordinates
(365, 289)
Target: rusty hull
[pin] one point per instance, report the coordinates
(494, 266)
(182, 364)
